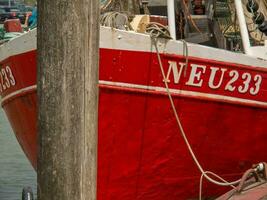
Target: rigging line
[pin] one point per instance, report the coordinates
(201, 182)
(222, 183)
(188, 15)
(185, 54)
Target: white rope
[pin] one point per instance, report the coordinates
(157, 30)
(203, 172)
(116, 20)
(201, 182)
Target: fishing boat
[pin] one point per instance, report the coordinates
(170, 110)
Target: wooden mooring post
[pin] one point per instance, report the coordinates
(68, 42)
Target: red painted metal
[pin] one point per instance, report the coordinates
(159, 19)
(253, 186)
(141, 153)
(199, 7)
(13, 25)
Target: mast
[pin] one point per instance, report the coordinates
(171, 18)
(243, 27)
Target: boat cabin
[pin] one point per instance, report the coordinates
(239, 26)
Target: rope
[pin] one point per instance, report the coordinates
(183, 134)
(185, 53)
(104, 4)
(257, 18)
(157, 30)
(190, 17)
(113, 19)
(201, 182)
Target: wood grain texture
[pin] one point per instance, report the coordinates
(68, 42)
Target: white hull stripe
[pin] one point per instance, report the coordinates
(157, 89)
(185, 93)
(130, 41)
(18, 92)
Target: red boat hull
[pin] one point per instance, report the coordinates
(141, 152)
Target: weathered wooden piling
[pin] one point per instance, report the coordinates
(68, 40)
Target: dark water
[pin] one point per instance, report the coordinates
(15, 170)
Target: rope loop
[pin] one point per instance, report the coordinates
(220, 181)
(252, 6)
(118, 20)
(157, 30)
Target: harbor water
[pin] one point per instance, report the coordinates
(15, 170)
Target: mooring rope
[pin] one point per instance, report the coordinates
(204, 173)
(181, 127)
(213, 174)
